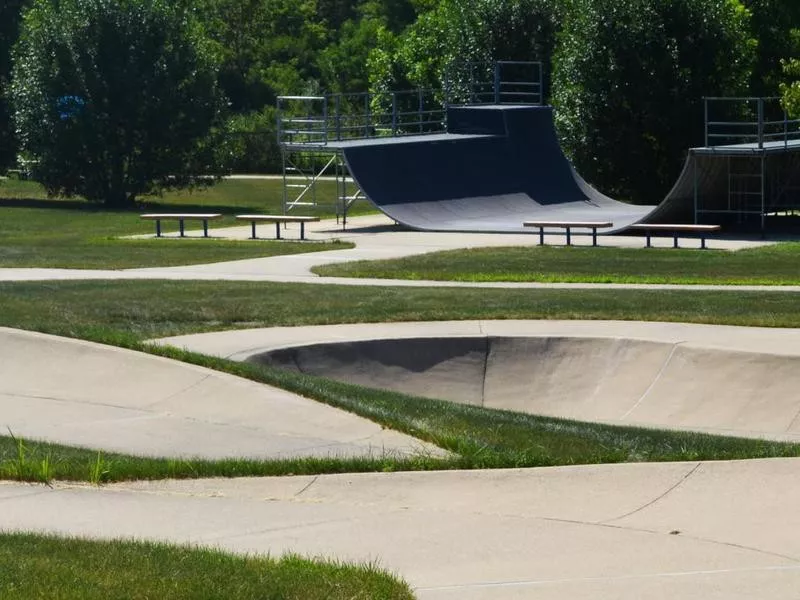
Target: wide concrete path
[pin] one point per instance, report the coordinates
(84, 394)
(375, 238)
(727, 380)
(710, 531)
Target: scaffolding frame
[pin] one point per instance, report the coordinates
(746, 132)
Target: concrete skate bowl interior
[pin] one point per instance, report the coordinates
(620, 381)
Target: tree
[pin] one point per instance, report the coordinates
(115, 98)
(629, 78)
(10, 17)
(453, 31)
(790, 91)
(773, 22)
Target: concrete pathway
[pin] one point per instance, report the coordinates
(375, 238)
(83, 394)
(694, 531)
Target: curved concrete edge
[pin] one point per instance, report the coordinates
(732, 381)
(86, 394)
(244, 343)
(689, 530)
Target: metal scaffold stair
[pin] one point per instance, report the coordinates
(746, 185)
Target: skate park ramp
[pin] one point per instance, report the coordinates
(703, 378)
(501, 165)
(84, 394)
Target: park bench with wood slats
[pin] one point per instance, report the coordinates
(676, 229)
(568, 226)
(181, 218)
(277, 219)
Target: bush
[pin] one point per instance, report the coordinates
(115, 98)
(251, 144)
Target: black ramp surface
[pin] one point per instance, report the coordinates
(498, 166)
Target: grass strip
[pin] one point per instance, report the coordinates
(770, 265)
(83, 237)
(478, 438)
(138, 310)
(261, 194)
(38, 567)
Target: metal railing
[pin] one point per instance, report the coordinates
(758, 122)
(320, 120)
(501, 82)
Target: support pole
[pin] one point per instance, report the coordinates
(763, 194)
(394, 113)
(694, 164)
(367, 118)
(420, 105)
(497, 83)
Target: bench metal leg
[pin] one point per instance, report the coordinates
(702, 242)
(541, 236)
(180, 221)
(277, 231)
(158, 227)
(253, 230)
(675, 240)
(568, 238)
(594, 237)
(205, 228)
(302, 230)
(648, 235)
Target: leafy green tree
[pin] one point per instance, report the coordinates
(790, 91)
(629, 78)
(453, 31)
(115, 98)
(10, 17)
(773, 24)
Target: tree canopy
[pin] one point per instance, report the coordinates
(10, 17)
(628, 75)
(629, 80)
(114, 97)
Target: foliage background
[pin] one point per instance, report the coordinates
(648, 61)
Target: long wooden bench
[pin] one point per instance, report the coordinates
(181, 218)
(277, 219)
(568, 226)
(676, 229)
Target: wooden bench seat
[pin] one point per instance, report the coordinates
(181, 218)
(569, 226)
(676, 229)
(277, 219)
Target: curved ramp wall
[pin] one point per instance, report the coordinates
(498, 167)
(502, 165)
(612, 380)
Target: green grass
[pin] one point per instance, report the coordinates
(771, 265)
(137, 310)
(44, 462)
(45, 567)
(226, 196)
(75, 234)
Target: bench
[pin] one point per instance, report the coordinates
(676, 230)
(277, 219)
(181, 218)
(568, 225)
